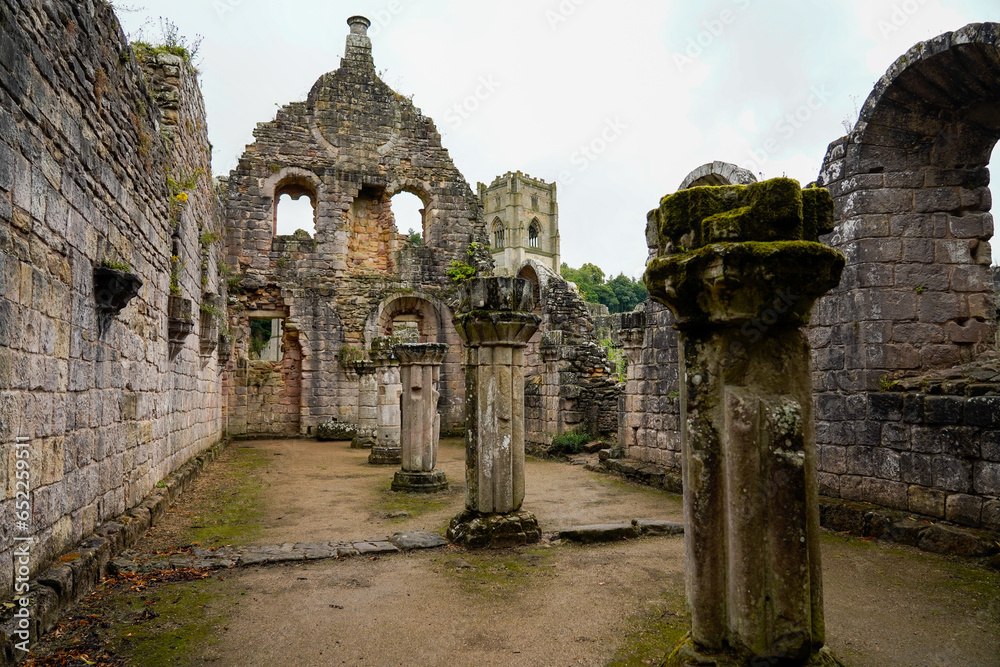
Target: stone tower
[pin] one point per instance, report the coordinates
(522, 221)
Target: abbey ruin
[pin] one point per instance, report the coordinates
(149, 312)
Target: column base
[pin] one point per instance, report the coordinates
(420, 482)
(476, 530)
(382, 456)
(687, 653)
(363, 442)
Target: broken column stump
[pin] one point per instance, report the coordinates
(420, 423)
(385, 450)
(367, 405)
(495, 322)
(741, 268)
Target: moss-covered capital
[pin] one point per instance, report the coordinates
(737, 253)
(775, 210)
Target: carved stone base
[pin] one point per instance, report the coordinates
(688, 654)
(382, 456)
(420, 482)
(476, 531)
(363, 440)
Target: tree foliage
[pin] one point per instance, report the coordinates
(621, 294)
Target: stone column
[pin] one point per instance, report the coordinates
(367, 405)
(420, 425)
(495, 322)
(741, 268)
(385, 450)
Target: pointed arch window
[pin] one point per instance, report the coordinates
(534, 231)
(499, 235)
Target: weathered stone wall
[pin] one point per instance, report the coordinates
(350, 147)
(88, 138)
(930, 445)
(910, 185)
(570, 384)
(649, 410)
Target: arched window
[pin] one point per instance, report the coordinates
(533, 233)
(294, 209)
(408, 214)
(499, 237)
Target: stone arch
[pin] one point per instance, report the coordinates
(296, 183)
(420, 309)
(718, 173)
(910, 184)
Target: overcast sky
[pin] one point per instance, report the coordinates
(615, 101)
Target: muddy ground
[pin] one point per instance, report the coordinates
(550, 604)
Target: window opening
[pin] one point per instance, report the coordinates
(265, 340)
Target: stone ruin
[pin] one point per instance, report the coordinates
(148, 312)
(728, 255)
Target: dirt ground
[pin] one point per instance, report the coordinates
(550, 604)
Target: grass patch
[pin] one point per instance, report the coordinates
(500, 575)
(230, 510)
(410, 505)
(138, 621)
(653, 634)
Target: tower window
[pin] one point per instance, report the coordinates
(498, 203)
(498, 235)
(533, 234)
(534, 202)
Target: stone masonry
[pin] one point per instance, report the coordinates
(104, 159)
(349, 148)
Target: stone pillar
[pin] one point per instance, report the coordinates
(420, 372)
(367, 405)
(385, 450)
(495, 322)
(741, 268)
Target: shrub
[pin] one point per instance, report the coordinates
(569, 443)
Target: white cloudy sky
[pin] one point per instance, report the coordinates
(654, 87)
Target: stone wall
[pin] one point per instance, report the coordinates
(570, 385)
(349, 148)
(89, 136)
(649, 410)
(930, 445)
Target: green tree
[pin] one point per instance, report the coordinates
(620, 294)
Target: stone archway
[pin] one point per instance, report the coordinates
(910, 185)
(532, 354)
(718, 173)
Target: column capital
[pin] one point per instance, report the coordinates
(420, 354)
(730, 255)
(364, 367)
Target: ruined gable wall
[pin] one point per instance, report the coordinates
(354, 144)
(83, 178)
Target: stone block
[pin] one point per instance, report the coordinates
(991, 515)
(983, 411)
(964, 509)
(952, 474)
(944, 410)
(952, 541)
(929, 502)
(987, 478)
(916, 468)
